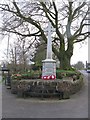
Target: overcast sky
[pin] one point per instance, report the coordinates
(80, 53)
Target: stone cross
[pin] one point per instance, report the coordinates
(49, 43)
(49, 65)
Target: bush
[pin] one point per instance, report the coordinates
(32, 75)
(60, 74)
(28, 75)
(16, 76)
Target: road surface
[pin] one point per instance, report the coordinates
(75, 107)
(0, 96)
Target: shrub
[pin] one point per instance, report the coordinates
(32, 75)
(60, 74)
(16, 76)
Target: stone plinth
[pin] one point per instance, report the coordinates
(49, 69)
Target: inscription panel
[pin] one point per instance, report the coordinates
(49, 69)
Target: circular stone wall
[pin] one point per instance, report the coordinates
(68, 87)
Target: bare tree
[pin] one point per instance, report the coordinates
(19, 55)
(79, 65)
(30, 18)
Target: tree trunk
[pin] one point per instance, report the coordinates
(64, 56)
(65, 60)
(65, 63)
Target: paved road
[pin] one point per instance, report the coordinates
(0, 97)
(89, 94)
(76, 107)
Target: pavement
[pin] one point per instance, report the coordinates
(75, 107)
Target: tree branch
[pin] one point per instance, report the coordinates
(80, 40)
(81, 25)
(25, 35)
(78, 8)
(56, 15)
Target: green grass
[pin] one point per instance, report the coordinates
(66, 71)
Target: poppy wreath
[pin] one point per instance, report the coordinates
(49, 77)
